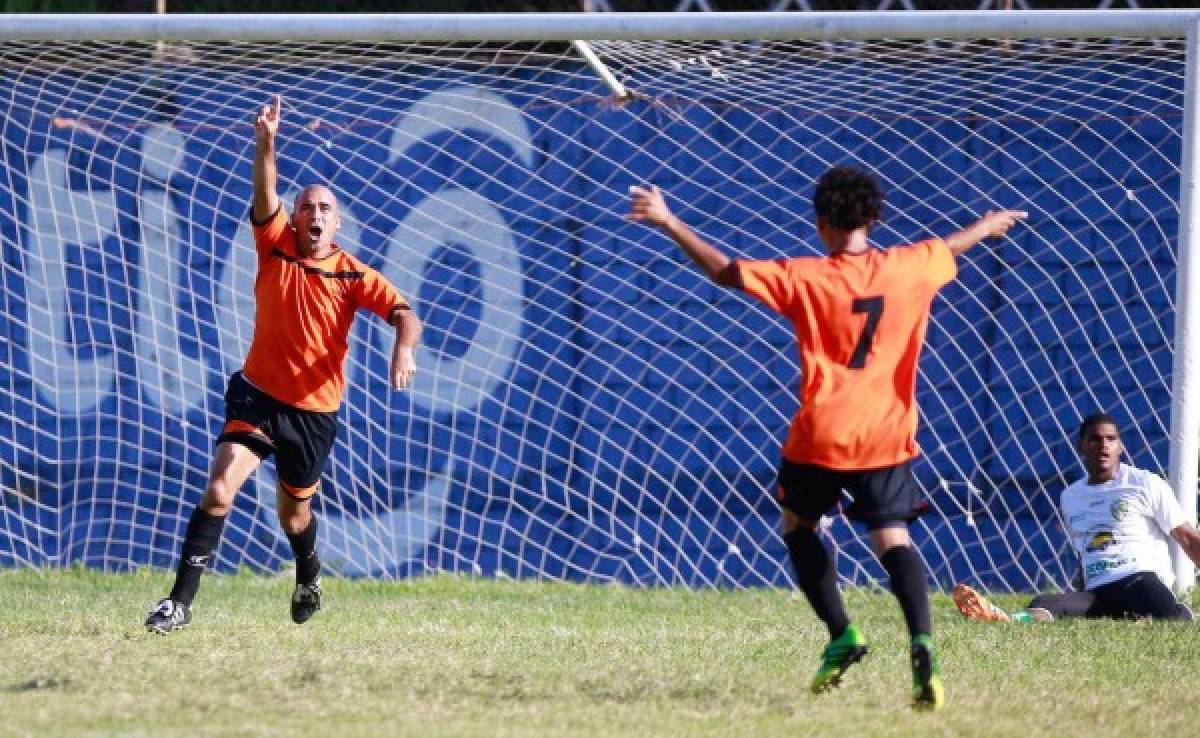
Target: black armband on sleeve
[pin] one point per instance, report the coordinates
(730, 276)
(395, 311)
(268, 219)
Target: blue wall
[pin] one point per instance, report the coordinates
(628, 435)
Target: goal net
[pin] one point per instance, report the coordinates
(587, 406)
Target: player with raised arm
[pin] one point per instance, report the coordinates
(860, 316)
(1119, 519)
(284, 400)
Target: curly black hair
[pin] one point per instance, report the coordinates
(848, 198)
(1094, 420)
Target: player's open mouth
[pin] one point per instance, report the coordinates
(314, 232)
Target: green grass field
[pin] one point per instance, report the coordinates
(450, 656)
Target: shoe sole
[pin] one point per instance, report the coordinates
(971, 606)
(302, 618)
(835, 680)
(305, 619)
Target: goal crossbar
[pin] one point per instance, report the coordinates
(601, 26)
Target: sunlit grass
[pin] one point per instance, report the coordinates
(469, 657)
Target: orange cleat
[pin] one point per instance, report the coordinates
(975, 606)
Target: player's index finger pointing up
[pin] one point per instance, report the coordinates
(277, 105)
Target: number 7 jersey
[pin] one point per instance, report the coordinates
(860, 325)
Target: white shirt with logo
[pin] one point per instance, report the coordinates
(1122, 526)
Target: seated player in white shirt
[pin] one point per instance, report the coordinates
(1118, 518)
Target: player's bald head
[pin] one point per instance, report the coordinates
(315, 220)
(315, 193)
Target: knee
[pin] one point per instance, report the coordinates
(293, 524)
(294, 519)
(218, 498)
(890, 536)
(792, 522)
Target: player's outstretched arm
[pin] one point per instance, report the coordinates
(266, 124)
(992, 225)
(647, 205)
(1189, 540)
(408, 334)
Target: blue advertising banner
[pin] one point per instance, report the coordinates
(588, 407)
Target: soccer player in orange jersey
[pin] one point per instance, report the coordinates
(284, 401)
(860, 316)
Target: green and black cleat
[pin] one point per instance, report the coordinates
(842, 653)
(928, 692)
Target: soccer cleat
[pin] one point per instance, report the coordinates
(928, 692)
(842, 653)
(168, 615)
(975, 606)
(306, 600)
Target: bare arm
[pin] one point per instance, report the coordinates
(408, 334)
(266, 199)
(647, 205)
(1189, 539)
(994, 224)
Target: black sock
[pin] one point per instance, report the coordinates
(817, 578)
(304, 551)
(907, 574)
(203, 535)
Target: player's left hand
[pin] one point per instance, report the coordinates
(647, 205)
(404, 368)
(996, 223)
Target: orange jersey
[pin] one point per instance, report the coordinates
(860, 324)
(303, 312)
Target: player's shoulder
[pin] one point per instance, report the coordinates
(348, 262)
(908, 262)
(1075, 488)
(274, 229)
(1143, 478)
(799, 263)
(795, 268)
(277, 218)
(922, 249)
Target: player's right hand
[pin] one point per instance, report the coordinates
(997, 222)
(647, 205)
(266, 123)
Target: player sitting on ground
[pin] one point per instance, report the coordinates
(1118, 518)
(860, 316)
(284, 401)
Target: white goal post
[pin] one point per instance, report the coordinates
(588, 408)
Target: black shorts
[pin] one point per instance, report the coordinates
(300, 439)
(1135, 596)
(879, 496)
